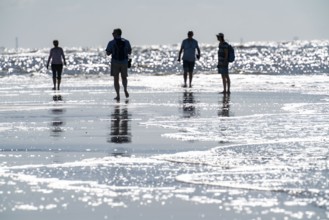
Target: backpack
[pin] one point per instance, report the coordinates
(231, 54)
(119, 50)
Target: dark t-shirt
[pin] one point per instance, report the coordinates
(221, 54)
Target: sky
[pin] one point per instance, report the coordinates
(89, 23)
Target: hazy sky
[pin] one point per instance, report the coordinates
(89, 23)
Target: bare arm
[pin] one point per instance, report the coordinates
(179, 54)
(49, 59)
(63, 57)
(199, 52)
(64, 60)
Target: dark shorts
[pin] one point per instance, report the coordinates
(188, 66)
(117, 68)
(223, 71)
(57, 70)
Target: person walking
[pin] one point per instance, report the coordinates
(119, 48)
(223, 63)
(57, 58)
(189, 45)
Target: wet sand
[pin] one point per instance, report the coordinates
(81, 134)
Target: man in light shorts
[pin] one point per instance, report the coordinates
(119, 48)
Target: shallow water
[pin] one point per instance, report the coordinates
(262, 152)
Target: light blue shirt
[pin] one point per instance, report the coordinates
(189, 46)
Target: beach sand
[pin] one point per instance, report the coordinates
(77, 153)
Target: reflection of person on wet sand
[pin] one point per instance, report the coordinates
(57, 98)
(120, 128)
(57, 121)
(225, 109)
(188, 104)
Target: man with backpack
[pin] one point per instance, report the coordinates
(223, 60)
(119, 48)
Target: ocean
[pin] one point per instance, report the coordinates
(167, 152)
(282, 58)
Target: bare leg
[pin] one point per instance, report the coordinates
(224, 83)
(191, 77)
(125, 85)
(117, 87)
(58, 83)
(185, 79)
(54, 82)
(228, 80)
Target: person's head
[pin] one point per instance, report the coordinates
(117, 32)
(190, 34)
(220, 37)
(55, 42)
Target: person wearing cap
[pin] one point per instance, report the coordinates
(189, 46)
(223, 63)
